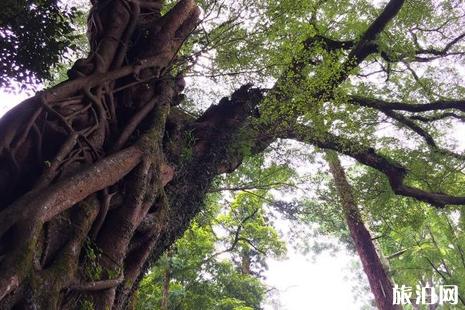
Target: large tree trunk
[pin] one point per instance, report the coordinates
(380, 283)
(94, 181)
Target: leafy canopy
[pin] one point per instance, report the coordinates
(35, 36)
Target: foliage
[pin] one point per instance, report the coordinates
(36, 35)
(218, 262)
(421, 245)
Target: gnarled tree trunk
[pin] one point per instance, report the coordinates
(95, 184)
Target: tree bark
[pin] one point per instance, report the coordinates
(166, 286)
(246, 262)
(380, 283)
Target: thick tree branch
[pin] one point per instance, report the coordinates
(328, 44)
(380, 104)
(413, 126)
(98, 285)
(366, 44)
(445, 50)
(433, 118)
(364, 47)
(409, 122)
(424, 54)
(65, 194)
(395, 172)
(359, 50)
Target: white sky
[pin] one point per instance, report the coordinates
(7, 101)
(305, 284)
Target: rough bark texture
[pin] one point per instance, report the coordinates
(380, 283)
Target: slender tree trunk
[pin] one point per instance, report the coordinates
(245, 262)
(380, 283)
(166, 286)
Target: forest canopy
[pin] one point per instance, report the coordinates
(157, 168)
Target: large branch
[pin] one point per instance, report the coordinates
(433, 118)
(425, 54)
(379, 104)
(63, 195)
(395, 172)
(444, 51)
(364, 47)
(366, 44)
(409, 122)
(359, 51)
(412, 125)
(328, 44)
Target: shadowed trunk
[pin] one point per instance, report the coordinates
(380, 283)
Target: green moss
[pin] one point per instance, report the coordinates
(92, 269)
(86, 304)
(151, 139)
(188, 141)
(127, 284)
(113, 273)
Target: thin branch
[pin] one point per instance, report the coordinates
(250, 187)
(236, 239)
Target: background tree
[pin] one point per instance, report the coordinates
(416, 243)
(380, 282)
(218, 262)
(104, 171)
(422, 245)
